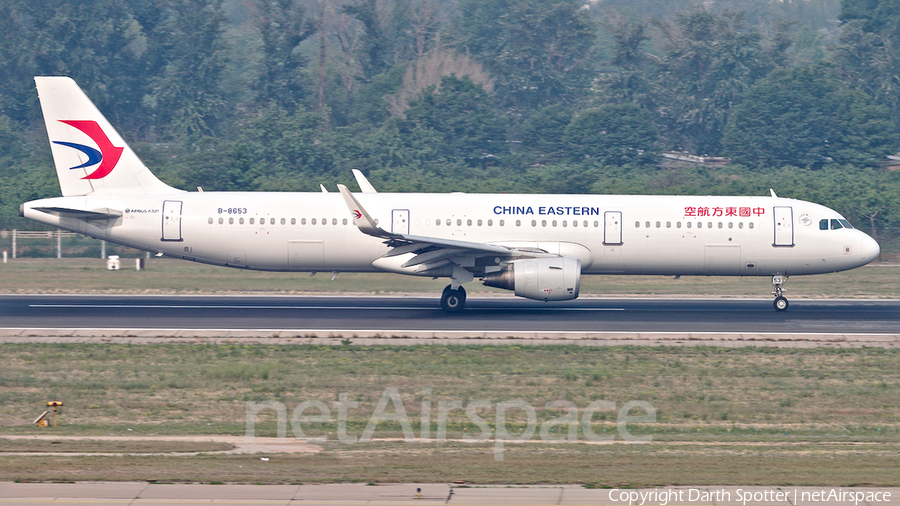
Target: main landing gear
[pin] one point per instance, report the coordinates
(781, 303)
(453, 300)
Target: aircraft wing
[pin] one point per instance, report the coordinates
(431, 252)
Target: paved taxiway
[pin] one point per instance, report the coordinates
(146, 494)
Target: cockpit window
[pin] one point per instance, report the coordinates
(835, 224)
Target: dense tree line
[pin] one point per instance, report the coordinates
(473, 95)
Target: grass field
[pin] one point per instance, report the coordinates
(743, 416)
(723, 416)
(83, 275)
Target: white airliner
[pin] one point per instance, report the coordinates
(536, 245)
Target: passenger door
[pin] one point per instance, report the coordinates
(784, 230)
(171, 224)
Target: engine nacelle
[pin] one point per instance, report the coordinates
(544, 279)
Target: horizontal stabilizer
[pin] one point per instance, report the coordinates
(81, 214)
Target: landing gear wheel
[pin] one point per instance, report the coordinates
(781, 303)
(453, 301)
(778, 281)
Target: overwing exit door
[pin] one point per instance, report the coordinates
(400, 222)
(171, 222)
(612, 227)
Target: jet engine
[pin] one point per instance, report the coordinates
(546, 279)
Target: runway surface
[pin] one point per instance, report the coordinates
(140, 493)
(393, 314)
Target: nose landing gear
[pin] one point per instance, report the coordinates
(781, 303)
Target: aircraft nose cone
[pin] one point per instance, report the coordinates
(869, 249)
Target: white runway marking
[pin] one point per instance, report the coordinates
(354, 308)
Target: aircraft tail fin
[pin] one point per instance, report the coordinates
(90, 156)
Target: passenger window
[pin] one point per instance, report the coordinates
(533, 223)
(241, 221)
(458, 222)
(730, 224)
(272, 221)
(294, 221)
(302, 221)
(311, 222)
(554, 223)
(251, 221)
(469, 223)
(231, 221)
(688, 224)
(437, 223)
(333, 221)
(637, 224)
(518, 223)
(647, 224)
(210, 221)
(699, 224)
(503, 222)
(750, 225)
(835, 224)
(709, 225)
(574, 223)
(565, 223)
(720, 224)
(283, 221)
(596, 224)
(658, 224)
(479, 223)
(668, 224)
(823, 224)
(677, 224)
(221, 221)
(345, 221)
(449, 222)
(490, 223)
(741, 225)
(543, 223)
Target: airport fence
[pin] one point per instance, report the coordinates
(59, 244)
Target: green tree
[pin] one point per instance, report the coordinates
(96, 42)
(869, 49)
(460, 112)
(543, 133)
(614, 134)
(539, 51)
(282, 26)
(185, 95)
(385, 39)
(806, 117)
(711, 61)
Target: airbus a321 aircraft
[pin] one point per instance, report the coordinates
(536, 245)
